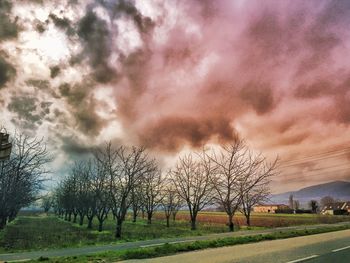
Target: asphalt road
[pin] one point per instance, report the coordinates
(128, 245)
(333, 247)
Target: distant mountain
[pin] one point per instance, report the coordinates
(337, 189)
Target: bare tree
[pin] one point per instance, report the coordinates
(230, 166)
(46, 203)
(137, 201)
(152, 184)
(313, 205)
(79, 197)
(251, 198)
(254, 188)
(101, 194)
(21, 176)
(124, 167)
(171, 201)
(192, 181)
(240, 177)
(176, 207)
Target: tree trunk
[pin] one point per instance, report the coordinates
(100, 226)
(149, 218)
(70, 216)
(118, 229)
(11, 217)
(90, 222)
(167, 221)
(81, 221)
(230, 223)
(75, 218)
(248, 219)
(174, 216)
(3, 220)
(193, 223)
(134, 216)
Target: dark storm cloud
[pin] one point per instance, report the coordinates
(94, 33)
(96, 36)
(259, 96)
(54, 71)
(62, 23)
(29, 111)
(40, 27)
(38, 83)
(144, 24)
(315, 90)
(172, 132)
(8, 27)
(83, 106)
(336, 92)
(7, 72)
(198, 71)
(73, 146)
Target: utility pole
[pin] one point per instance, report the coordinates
(5, 146)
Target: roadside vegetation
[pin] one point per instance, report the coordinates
(169, 249)
(48, 232)
(37, 232)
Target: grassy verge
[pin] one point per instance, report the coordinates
(42, 232)
(169, 249)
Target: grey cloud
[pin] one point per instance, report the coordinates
(8, 28)
(7, 72)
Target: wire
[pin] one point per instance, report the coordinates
(318, 174)
(318, 154)
(309, 159)
(317, 169)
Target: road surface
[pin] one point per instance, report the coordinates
(331, 247)
(128, 245)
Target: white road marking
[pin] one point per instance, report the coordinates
(339, 249)
(153, 245)
(302, 259)
(182, 241)
(19, 260)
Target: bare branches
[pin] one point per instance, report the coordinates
(240, 176)
(191, 179)
(120, 178)
(21, 176)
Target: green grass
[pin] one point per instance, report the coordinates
(40, 232)
(169, 249)
(48, 232)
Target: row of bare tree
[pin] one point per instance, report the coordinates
(21, 176)
(122, 179)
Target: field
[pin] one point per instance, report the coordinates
(265, 220)
(32, 232)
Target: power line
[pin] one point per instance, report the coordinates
(317, 169)
(318, 154)
(318, 174)
(318, 157)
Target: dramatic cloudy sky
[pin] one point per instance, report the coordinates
(176, 74)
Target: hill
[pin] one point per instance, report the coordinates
(337, 189)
